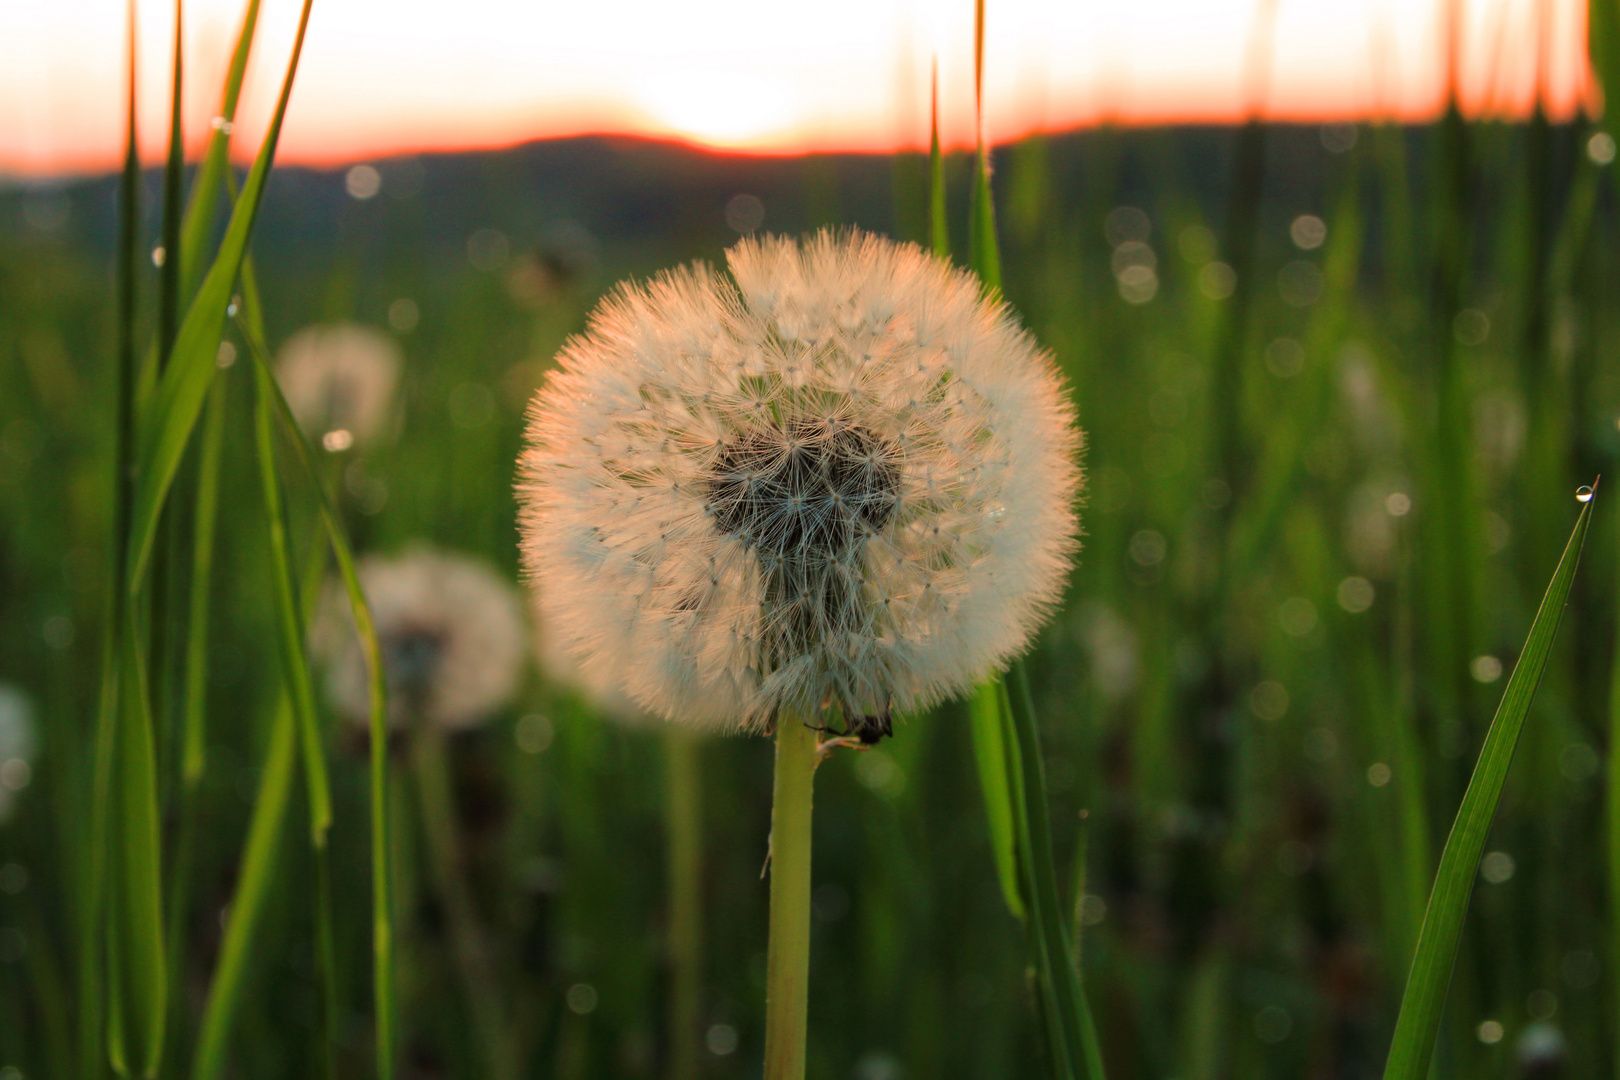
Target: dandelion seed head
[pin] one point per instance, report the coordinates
(838, 475)
(451, 632)
(339, 378)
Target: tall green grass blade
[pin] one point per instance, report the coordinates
(1056, 1020)
(939, 230)
(253, 883)
(252, 327)
(178, 398)
(210, 180)
(174, 178)
(983, 245)
(137, 923)
(1040, 876)
(290, 620)
(1071, 1037)
(93, 938)
(1423, 1003)
(300, 691)
(194, 755)
(990, 752)
(1612, 808)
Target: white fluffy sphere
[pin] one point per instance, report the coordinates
(840, 476)
(452, 637)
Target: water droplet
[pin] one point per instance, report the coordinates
(1584, 493)
(157, 256)
(221, 125)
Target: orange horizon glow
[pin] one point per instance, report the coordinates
(379, 78)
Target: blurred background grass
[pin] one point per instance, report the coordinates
(1339, 386)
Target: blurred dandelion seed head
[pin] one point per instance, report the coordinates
(339, 381)
(18, 745)
(451, 632)
(839, 475)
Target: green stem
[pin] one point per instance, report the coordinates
(683, 810)
(471, 951)
(787, 964)
(1613, 809)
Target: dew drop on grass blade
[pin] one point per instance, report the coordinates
(1423, 1003)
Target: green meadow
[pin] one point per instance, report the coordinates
(1339, 386)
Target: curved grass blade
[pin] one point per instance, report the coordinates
(990, 752)
(210, 181)
(93, 937)
(194, 755)
(381, 868)
(300, 691)
(141, 989)
(169, 418)
(257, 872)
(247, 902)
(1074, 1017)
(1423, 1003)
(173, 181)
(1071, 1035)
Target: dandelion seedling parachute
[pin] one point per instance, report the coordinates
(840, 477)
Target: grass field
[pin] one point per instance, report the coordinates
(1339, 387)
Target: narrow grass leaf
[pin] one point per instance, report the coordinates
(983, 244)
(300, 691)
(252, 326)
(290, 620)
(1613, 803)
(137, 925)
(210, 181)
(174, 178)
(990, 752)
(939, 231)
(1423, 1003)
(1074, 1017)
(253, 883)
(206, 516)
(168, 420)
(93, 934)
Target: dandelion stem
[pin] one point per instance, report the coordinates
(684, 823)
(788, 955)
(467, 943)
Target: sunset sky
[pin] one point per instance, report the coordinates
(383, 76)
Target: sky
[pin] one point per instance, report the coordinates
(760, 76)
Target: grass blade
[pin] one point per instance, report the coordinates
(1041, 876)
(939, 231)
(247, 902)
(137, 924)
(990, 752)
(1423, 1003)
(300, 691)
(174, 171)
(194, 753)
(93, 937)
(1613, 807)
(210, 181)
(252, 328)
(982, 242)
(178, 398)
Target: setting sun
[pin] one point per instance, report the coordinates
(841, 74)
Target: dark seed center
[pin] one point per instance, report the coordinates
(805, 492)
